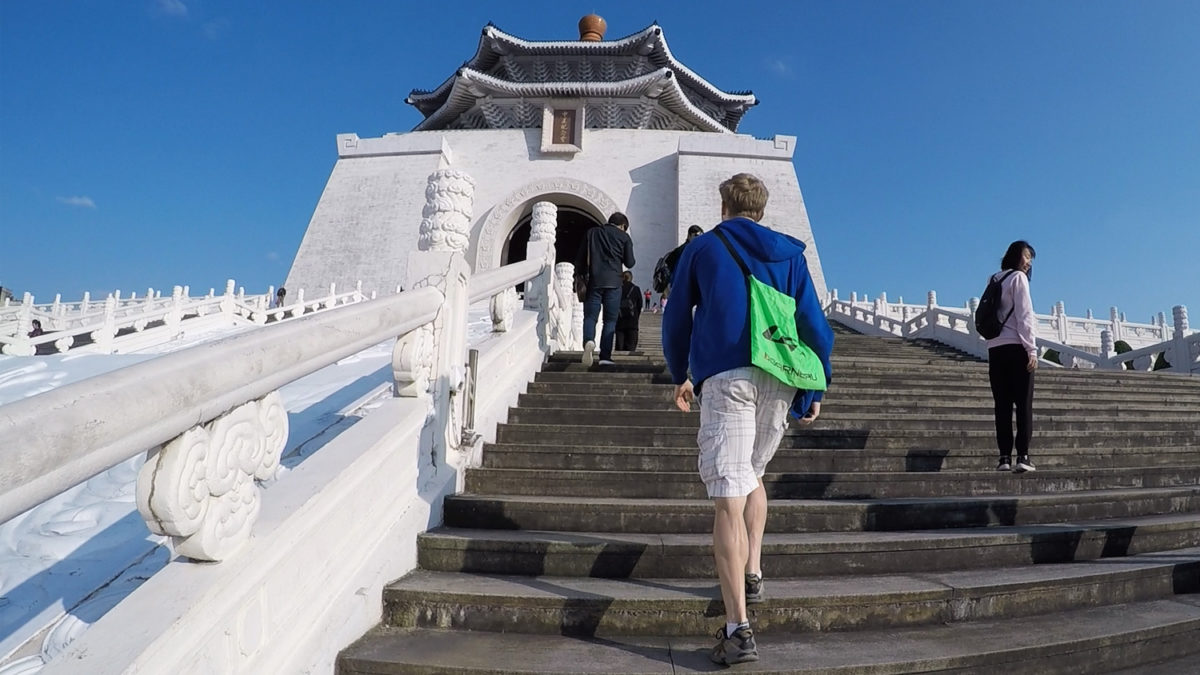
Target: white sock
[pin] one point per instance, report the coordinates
(731, 627)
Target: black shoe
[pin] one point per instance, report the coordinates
(736, 648)
(1023, 465)
(1004, 465)
(754, 589)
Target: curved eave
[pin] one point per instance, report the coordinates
(494, 43)
(660, 84)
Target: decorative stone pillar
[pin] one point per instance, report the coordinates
(174, 317)
(21, 346)
(431, 360)
(562, 316)
(227, 300)
(931, 300)
(1114, 320)
(503, 305)
(1179, 314)
(102, 337)
(1106, 344)
(201, 489)
(540, 294)
(446, 218)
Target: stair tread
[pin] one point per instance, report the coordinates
(1002, 644)
(850, 504)
(817, 541)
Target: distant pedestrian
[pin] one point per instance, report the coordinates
(647, 298)
(1012, 358)
(37, 329)
(604, 250)
(743, 408)
(631, 313)
(280, 296)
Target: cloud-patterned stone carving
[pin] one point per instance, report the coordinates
(200, 488)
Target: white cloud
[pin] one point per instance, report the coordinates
(779, 67)
(215, 29)
(172, 7)
(84, 202)
(272, 256)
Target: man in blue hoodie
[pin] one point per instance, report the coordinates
(743, 409)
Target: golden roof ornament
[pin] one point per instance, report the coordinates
(591, 28)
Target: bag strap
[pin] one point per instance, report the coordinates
(737, 258)
(1014, 300)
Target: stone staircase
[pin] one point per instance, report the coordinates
(583, 543)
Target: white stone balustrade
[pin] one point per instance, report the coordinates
(128, 324)
(213, 414)
(1080, 342)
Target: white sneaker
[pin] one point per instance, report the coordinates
(606, 362)
(589, 349)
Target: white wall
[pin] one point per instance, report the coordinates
(664, 181)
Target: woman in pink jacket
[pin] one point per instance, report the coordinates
(1012, 358)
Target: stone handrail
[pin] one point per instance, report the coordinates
(955, 327)
(487, 284)
(123, 324)
(1079, 332)
(54, 440)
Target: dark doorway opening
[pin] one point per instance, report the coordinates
(573, 224)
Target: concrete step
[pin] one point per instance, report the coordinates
(592, 606)
(692, 516)
(820, 485)
(689, 556)
(844, 391)
(1091, 640)
(840, 403)
(848, 437)
(899, 385)
(801, 460)
(932, 421)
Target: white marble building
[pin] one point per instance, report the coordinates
(593, 126)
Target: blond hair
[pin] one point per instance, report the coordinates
(744, 196)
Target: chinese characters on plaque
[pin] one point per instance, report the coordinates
(564, 127)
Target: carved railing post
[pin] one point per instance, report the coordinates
(1180, 353)
(1106, 349)
(431, 359)
(174, 317)
(22, 346)
(201, 489)
(540, 294)
(1114, 320)
(562, 316)
(931, 300)
(972, 306)
(227, 301)
(503, 304)
(103, 336)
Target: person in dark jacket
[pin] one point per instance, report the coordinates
(604, 250)
(672, 259)
(630, 314)
(743, 409)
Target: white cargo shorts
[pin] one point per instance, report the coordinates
(743, 414)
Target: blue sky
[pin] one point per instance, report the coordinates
(160, 142)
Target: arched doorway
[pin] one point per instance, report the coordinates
(573, 224)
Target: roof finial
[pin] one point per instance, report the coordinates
(591, 28)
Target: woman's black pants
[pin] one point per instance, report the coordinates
(1012, 387)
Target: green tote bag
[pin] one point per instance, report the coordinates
(775, 345)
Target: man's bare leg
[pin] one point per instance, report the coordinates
(756, 524)
(731, 549)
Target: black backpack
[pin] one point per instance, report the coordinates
(630, 303)
(662, 275)
(987, 316)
